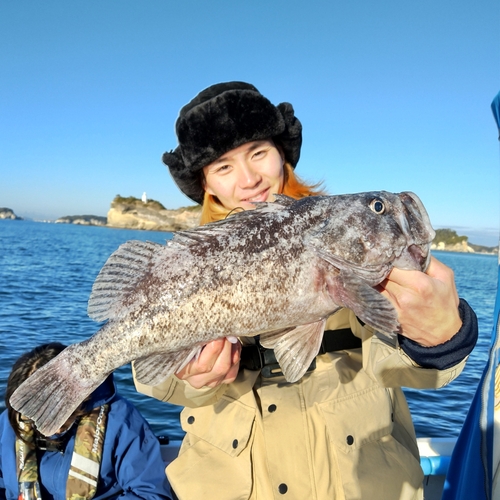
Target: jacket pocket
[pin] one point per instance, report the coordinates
(360, 428)
(227, 425)
(358, 418)
(214, 462)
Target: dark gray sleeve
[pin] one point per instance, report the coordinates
(451, 352)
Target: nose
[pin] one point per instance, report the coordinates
(249, 177)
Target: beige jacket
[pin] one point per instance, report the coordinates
(342, 432)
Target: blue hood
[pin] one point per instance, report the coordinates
(495, 107)
(471, 471)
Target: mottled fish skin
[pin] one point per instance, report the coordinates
(277, 271)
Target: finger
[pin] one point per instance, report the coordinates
(209, 355)
(400, 277)
(236, 353)
(224, 361)
(204, 362)
(226, 369)
(221, 368)
(235, 358)
(440, 271)
(231, 374)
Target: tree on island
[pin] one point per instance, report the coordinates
(449, 237)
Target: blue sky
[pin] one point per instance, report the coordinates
(393, 95)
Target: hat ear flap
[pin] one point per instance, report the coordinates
(291, 138)
(293, 125)
(173, 161)
(182, 175)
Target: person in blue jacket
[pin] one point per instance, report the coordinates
(105, 450)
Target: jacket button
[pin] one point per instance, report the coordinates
(350, 440)
(190, 420)
(271, 408)
(235, 444)
(282, 488)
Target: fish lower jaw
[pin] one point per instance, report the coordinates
(415, 257)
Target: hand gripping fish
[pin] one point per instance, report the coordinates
(277, 271)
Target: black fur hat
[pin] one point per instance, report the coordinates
(223, 117)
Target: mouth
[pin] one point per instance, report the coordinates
(259, 197)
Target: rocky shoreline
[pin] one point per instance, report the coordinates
(131, 213)
(150, 215)
(7, 213)
(84, 220)
(467, 248)
(448, 240)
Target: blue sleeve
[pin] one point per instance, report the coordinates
(138, 464)
(3, 488)
(450, 353)
(2, 484)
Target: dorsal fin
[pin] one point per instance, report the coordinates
(119, 276)
(284, 200)
(235, 220)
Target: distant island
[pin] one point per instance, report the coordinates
(151, 215)
(7, 213)
(84, 220)
(132, 213)
(450, 241)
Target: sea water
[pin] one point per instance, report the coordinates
(47, 272)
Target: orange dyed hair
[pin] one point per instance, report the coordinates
(293, 186)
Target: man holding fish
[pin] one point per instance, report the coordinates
(343, 430)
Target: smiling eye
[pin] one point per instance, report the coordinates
(222, 169)
(377, 206)
(258, 154)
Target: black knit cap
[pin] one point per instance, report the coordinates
(223, 117)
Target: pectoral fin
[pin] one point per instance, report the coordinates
(370, 306)
(151, 370)
(295, 349)
(270, 339)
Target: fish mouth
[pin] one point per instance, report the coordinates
(415, 220)
(416, 256)
(416, 226)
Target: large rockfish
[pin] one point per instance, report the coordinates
(277, 271)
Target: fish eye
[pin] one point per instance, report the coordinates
(377, 206)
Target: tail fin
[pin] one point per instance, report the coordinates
(54, 391)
